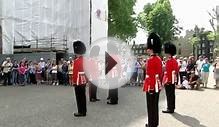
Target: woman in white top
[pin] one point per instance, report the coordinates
(182, 69)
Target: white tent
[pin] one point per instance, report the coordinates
(24, 22)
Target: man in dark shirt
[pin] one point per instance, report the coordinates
(194, 81)
(65, 73)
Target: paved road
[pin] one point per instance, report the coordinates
(52, 106)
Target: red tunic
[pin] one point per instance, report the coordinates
(172, 70)
(153, 68)
(79, 77)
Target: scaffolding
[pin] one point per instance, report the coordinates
(51, 44)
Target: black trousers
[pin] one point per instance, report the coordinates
(80, 93)
(152, 108)
(65, 78)
(181, 74)
(113, 95)
(7, 78)
(32, 78)
(60, 77)
(92, 91)
(170, 93)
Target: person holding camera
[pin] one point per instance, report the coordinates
(7, 66)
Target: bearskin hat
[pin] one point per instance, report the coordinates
(170, 48)
(79, 47)
(154, 43)
(94, 51)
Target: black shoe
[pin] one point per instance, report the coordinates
(79, 115)
(110, 103)
(92, 100)
(97, 99)
(146, 125)
(168, 111)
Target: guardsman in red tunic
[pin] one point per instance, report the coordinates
(93, 76)
(152, 85)
(170, 76)
(79, 79)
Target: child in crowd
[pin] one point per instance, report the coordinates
(185, 84)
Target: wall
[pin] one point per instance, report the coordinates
(29, 56)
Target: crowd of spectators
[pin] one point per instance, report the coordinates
(25, 72)
(193, 72)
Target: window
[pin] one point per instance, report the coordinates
(136, 51)
(211, 43)
(211, 50)
(199, 51)
(140, 51)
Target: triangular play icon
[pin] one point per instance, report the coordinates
(109, 63)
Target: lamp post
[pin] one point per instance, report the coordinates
(90, 22)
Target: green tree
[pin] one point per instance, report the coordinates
(122, 23)
(201, 32)
(158, 17)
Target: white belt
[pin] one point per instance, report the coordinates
(81, 75)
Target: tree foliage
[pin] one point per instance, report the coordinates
(158, 17)
(195, 40)
(122, 23)
(201, 33)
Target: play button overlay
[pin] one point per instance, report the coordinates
(109, 63)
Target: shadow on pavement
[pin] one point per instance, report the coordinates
(200, 89)
(187, 120)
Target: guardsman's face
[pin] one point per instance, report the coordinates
(149, 51)
(77, 55)
(168, 55)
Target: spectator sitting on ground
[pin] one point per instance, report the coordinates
(194, 81)
(185, 84)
